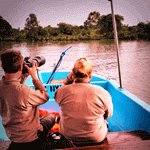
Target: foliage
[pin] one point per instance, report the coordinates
(92, 20)
(5, 29)
(31, 22)
(42, 33)
(31, 27)
(105, 23)
(96, 27)
(142, 29)
(64, 28)
(148, 29)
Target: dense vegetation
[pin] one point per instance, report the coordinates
(96, 27)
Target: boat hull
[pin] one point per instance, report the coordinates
(129, 114)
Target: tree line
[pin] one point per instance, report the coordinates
(96, 27)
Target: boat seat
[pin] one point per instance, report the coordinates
(115, 140)
(122, 140)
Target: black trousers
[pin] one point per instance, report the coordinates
(47, 122)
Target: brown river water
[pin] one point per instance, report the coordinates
(134, 60)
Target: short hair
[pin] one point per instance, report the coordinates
(83, 67)
(11, 61)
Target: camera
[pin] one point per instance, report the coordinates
(40, 60)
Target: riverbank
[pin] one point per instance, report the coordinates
(71, 38)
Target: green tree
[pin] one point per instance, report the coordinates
(133, 32)
(16, 34)
(76, 30)
(65, 28)
(54, 31)
(48, 29)
(148, 30)
(105, 24)
(141, 30)
(42, 33)
(23, 35)
(31, 27)
(92, 20)
(124, 33)
(5, 29)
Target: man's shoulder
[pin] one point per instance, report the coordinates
(96, 86)
(25, 87)
(65, 86)
(98, 89)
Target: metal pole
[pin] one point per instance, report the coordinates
(116, 40)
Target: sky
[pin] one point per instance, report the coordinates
(74, 12)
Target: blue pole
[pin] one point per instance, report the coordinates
(58, 63)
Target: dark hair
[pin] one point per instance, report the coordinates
(11, 61)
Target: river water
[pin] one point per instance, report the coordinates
(134, 60)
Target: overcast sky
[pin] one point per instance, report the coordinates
(74, 12)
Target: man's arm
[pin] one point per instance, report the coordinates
(39, 95)
(109, 107)
(24, 78)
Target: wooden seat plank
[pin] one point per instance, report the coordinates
(124, 140)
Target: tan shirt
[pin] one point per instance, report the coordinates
(83, 107)
(19, 109)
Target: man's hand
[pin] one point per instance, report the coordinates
(32, 71)
(70, 76)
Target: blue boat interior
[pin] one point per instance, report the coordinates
(129, 112)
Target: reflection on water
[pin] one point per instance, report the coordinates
(135, 68)
(134, 60)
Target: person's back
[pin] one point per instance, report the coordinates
(19, 103)
(19, 116)
(84, 107)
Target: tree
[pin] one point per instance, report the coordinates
(105, 23)
(22, 35)
(65, 28)
(133, 32)
(124, 33)
(15, 34)
(92, 20)
(148, 29)
(54, 31)
(5, 29)
(31, 26)
(42, 32)
(141, 30)
(76, 30)
(31, 22)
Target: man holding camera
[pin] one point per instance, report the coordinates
(19, 103)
